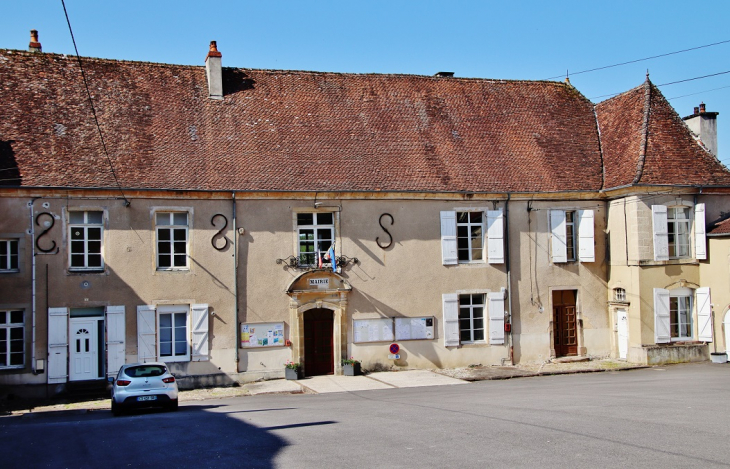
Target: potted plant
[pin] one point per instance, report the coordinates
(351, 367)
(293, 370)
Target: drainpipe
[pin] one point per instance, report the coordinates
(235, 281)
(33, 287)
(509, 279)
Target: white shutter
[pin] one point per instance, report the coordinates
(559, 238)
(115, 339)
(57, 345)
(661, 316)
(200, 332)
(146, 334)
(661, 234)
(704, 314)
(448, 238)
(451, 319)
(700, 236)
(496, 317)
(495, 235)
(586, 248)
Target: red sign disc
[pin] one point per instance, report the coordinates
(394, 348)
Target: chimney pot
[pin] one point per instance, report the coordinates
(34, 45)
(214, 72)
(697, 110)
(702, 108)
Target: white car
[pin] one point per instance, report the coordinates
(143, 385)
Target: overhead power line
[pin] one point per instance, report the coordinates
(670, 83)
(93, 110)
(641, 60)
(699, 92)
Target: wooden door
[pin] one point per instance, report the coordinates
(318, 342)
(566, 330)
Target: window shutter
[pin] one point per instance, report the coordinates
(559, 238)
(661, 316)
(146, 334)
(495, 234)
(704, 314)
(448, 238)
(586, 248)
(200, 332)
(57, 345)
(451, 319)
(700, 236)
(661, 234)
(496, 318)
(115, 339)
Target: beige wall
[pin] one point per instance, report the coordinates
(716, 275)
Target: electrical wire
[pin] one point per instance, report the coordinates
(93, 110)
(699, 92)
(670, 83)
(641, 60)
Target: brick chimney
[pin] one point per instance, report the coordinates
(213, 70)
(703, 125)
(34, 45)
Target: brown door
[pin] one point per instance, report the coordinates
(318, 331)
(566, 330)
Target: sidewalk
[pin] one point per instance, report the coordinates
(331, 384)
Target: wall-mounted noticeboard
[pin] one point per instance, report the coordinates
(414, 328)
(265, 334)
(373, 330)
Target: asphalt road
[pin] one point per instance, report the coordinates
(677, 416)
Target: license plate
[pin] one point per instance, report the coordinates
(147, 398)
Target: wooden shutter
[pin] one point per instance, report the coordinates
(57, 345)
(661, 233)
(495, 236)
(559, 236)
(115, 339)
(200, 332)
(496, 317)
(661, 316)
(700, 236)
(704, 314)
(146, 334)
(451, 319)
(448, 238)
(586, 244)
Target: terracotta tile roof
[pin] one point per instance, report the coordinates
(644, 141)
(288, 130)
(721, 228)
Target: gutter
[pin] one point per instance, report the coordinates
(33, 288)
(509, 279)
(235, 281)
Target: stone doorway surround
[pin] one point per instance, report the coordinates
(319, 289)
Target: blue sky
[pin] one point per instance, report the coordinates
(529, 40)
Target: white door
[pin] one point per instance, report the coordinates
(726, 324)
(622, 320)
(83, 349)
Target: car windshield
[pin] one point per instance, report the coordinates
(145, 370)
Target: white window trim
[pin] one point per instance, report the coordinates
(6, 269)
(583, 235)
(5, 330)
(492, 236)
(684, 293)
(485, 318)
(696, 236)
(188, 235)
(171, 309)
(688, 223)
(86, 226)
(335, 231)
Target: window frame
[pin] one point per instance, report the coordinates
(85, 226)
(571, 238)
(688, 295)
(171, 227)
(8, 268)
(173, 310)
(673, 224)
(471, 317)
(317, 228)
(6, 331)
(469, 238)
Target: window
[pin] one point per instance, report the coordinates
(85, 237)
(471, 318)
(572, 235)
(12, 349)
(678, 232)
(470, 236)
(680, 316)
(172, 240)
(619, 294)
(316, 234)
(173, 333)
(673, 314)
(8, 255)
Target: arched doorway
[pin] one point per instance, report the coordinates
(319, 342)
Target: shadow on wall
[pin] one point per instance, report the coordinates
(9, 173)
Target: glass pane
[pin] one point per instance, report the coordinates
(306, 235)
(163, 235)
(324, 235)
(462, 231)
(77, 233)
(305, 219)
(163, 218)
(463, 254)
(180, 218)
(77, 247)
(93, 233)
(4, 262)
(475, 217)
(181, 348)
(94, 260)
(179, 234)
(462, 217)
(180, 261)
(164, 247)
(94, 217)
(165, 260)
(14, 262)
(2, 321)
(569, 217)
(324, 219)
(4, 248)
(76, 217)
(179, 247)
(479, 334)
(77, 260)
(94, 246)
(466, 335)
(3, 348)
(165, 349)
(465, 323)
(17, 345)
(16, 317)
(165, 334)
(165, 320)
(464, 299)
(478, 322)
(180, 320)
(14, 248)
(16, 359)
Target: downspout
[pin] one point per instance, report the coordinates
(235, 281)
(33, 288)
(509, 279)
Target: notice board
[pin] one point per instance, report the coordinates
(373, 330)
(414, 328)
(265, 334)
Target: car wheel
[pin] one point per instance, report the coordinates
(172, 406)
(116, 409)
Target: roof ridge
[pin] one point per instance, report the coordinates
(644, 131)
